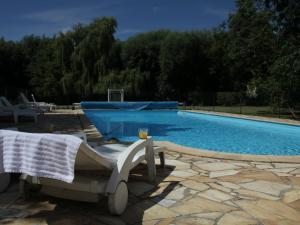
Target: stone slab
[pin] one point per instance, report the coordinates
(223, 173)
(267, 187)
(201, 205)
(215, 195)
(216, 166)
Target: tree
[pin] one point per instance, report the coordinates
(285, 75)
(184, 65)
(220, 63)
(257, 48)
(252, 41)
(12, 67)
(140, 54)
(44, 71)
(85, 54)
(285, 15)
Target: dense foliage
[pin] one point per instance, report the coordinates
(254, 55)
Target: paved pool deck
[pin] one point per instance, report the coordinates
(192, 189)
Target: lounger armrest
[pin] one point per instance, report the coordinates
(32, 105)
(123, 166)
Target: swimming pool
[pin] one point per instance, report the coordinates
(218, 133)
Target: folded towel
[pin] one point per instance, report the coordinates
(43, 155)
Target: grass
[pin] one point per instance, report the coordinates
(246, 110)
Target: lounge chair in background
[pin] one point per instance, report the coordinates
(17, 112)
(52, 106)
(5, 177)
(6, 113)
(42, 106)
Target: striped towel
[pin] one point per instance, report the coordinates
(42, 155)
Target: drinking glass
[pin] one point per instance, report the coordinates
(143, 133)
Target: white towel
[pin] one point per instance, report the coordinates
(42, 155)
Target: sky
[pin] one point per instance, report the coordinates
(48, 17)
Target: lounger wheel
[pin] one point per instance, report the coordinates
(162, 159)
(4, 181)
(117, 201)
(28, 190)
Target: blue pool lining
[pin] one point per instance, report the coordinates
(182, 127)
(238, 118)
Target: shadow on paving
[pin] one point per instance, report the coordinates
(43, 209)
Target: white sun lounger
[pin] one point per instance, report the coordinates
(52, 106)
(121, 147)
(16, 111)
(42, 106)
(116, 159)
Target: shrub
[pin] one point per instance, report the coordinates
(228, 98)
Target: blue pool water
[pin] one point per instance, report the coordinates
(200, 131)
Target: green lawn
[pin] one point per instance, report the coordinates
(247, 110)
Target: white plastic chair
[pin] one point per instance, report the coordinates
(42, 106)
(117, 160)
(51, 106)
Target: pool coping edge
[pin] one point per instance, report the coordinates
(170, 146)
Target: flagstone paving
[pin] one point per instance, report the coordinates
(189, 190)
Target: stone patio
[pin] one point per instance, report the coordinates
(190, 190)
